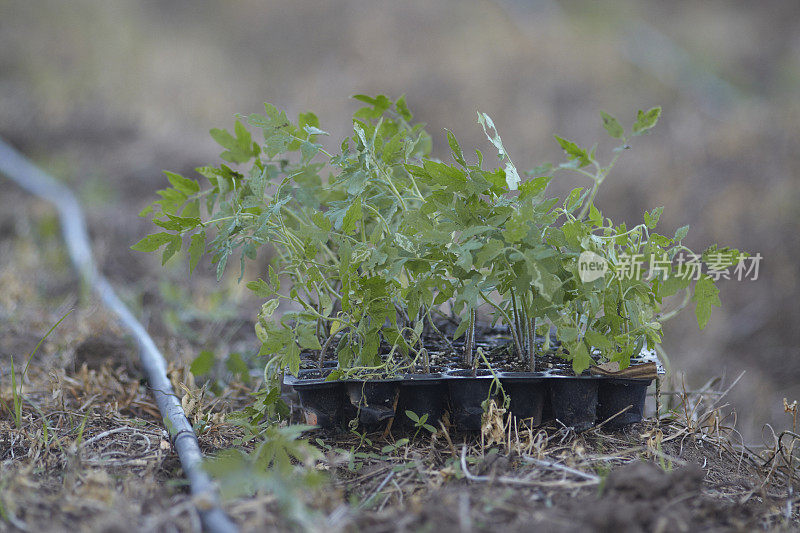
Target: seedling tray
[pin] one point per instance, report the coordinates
(578, 402)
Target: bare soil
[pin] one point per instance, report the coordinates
(90, 453)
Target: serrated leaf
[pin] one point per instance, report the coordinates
(352, 217)
(196, 247)
(274, 279)
(652, 218)
(151, 243)
(291, 358)
(575, 152)
(581, 360)
(185, 185)
(612, 126)
(307, 338)
(598, 340)
(681, 233)
(402, 109)
(455, 149)
(595, 216)
(646, 120)
(533, 187)
(261, 288)
(173, 246)
(706, 296)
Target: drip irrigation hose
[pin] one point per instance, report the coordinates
(73, 225)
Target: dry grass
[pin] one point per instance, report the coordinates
(131, 91)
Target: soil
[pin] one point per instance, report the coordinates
(446, 355)
(90, 453)
(638, 497)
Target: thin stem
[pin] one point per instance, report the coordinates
(531, 331)
(585, 208)
(598, 179)
(678, 309)
(323, 350)
(468, 342)
(223, 219)
(517, 325)
(507, 319)
(435, 329)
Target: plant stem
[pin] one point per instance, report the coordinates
(507, 319)
(530, 327)
(468, 342)
(517, 324)
(686, 299)
(433, 326)
(323, 350)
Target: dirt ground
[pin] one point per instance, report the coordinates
(90, 452)
(106, 95)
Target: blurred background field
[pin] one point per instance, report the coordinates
(107, 94)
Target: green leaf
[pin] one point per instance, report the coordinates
(307, 338)
(455, 148)
(646, 120)
(268, 308)
(236, 366)
(581, 360)
(202, 364)
(173, 246)
(567, 333)
(151, 243)
(261, 288)
(308, 150)
(352, 217)
(196, 247)
(292, 358)
(652, 218)
(574, 152)
(573, 200)
(595, 216)
(185, 185)
(533, 187)
(612, 126)
(402, 109)
(274, 279)
(598, 340)
(706, 296)
(412, 415)
(545, 282)
(515, 229)
(681, 233)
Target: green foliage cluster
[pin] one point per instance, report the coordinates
(379, 236)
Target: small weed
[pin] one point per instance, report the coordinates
(17, 381)
(420, 423)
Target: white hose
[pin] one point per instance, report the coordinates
(73, 224)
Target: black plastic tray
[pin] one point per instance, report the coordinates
(578, 402)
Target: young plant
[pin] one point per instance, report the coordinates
(377, 237)
(17, 381)
(420, 423)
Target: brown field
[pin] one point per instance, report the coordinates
(105, 95)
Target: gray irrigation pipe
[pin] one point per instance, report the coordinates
(73, 225)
